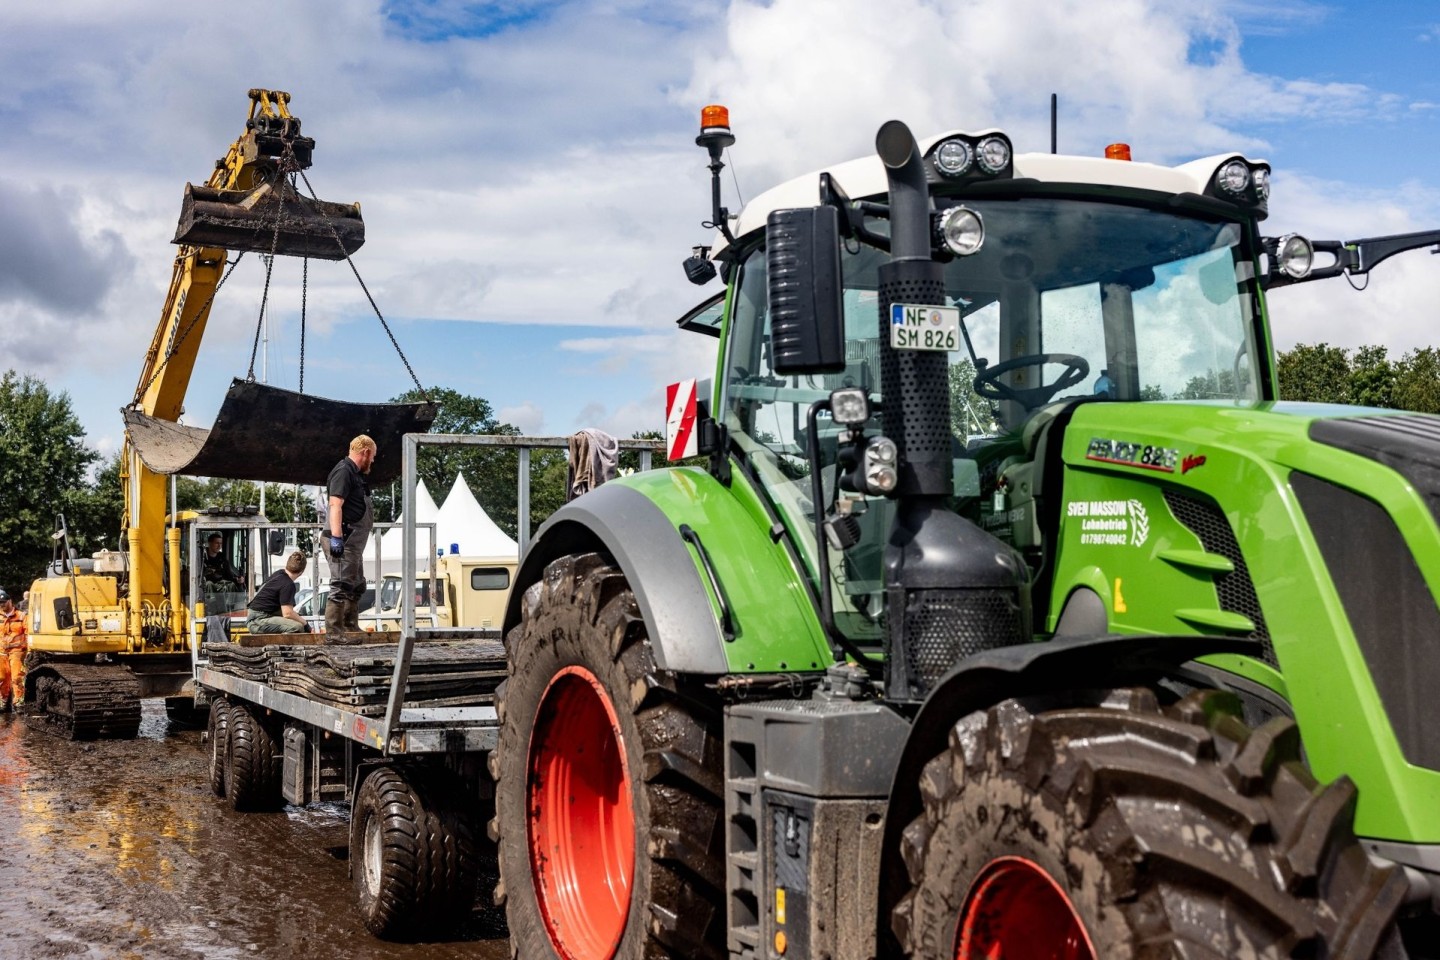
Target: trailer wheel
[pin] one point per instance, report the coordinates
(218, 733)
(1109, 827)
(253, 762)
(608, 801)
(413, 856)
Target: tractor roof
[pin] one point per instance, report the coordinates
(864, 178)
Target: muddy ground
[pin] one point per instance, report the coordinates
(114, 850)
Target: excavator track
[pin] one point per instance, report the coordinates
(83, 701)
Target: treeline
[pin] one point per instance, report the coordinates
(47, 469)
(1365, 377)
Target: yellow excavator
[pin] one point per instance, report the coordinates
(109, 631)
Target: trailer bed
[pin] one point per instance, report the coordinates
(449, 689)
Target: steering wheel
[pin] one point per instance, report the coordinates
(988, 385)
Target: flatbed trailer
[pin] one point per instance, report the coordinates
(399, 729)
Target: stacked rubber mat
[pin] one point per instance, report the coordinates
(357, 678)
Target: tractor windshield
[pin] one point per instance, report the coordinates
(1068, 298)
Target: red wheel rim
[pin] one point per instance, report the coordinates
(581, 820)
(1016, 911)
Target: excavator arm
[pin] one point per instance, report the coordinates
(251, 203)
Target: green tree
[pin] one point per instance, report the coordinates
(1372, 378)
(970, 413)
(1318, 373)
(97, 511)
(492, 473)
(43, 465)
(1417, 381)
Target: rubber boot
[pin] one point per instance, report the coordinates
(335, 621)
(352, 615)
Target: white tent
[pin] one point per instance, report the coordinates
(465, 528)
(460, 522)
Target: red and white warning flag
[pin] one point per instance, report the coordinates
(680, 438)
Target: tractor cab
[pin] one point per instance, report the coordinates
(1063, 280)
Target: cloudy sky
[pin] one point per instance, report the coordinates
(530, 184)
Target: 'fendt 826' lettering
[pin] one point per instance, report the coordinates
(1133, 454)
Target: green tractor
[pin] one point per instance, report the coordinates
(792, 704)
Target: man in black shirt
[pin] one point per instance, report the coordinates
(350, 517)
(272, 609)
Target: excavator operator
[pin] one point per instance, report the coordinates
(217, 566)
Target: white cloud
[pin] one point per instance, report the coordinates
(538, 168)
(528, 417)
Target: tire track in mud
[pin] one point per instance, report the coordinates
(117, 850)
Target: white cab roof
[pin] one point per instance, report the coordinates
(865, 178)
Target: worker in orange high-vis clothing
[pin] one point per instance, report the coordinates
(12, 653)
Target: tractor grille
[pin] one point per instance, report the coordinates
(1390, 608)
(1235, 590)
(942, 627)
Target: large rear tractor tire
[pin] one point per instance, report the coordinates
(218, 733)
(608, 800)
(413, 855)
(1106, 827)
(253, 762)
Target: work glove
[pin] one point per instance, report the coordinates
(337, 547)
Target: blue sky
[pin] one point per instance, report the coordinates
(531, 186)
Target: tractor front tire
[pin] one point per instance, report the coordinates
(609, 777)
(218, 733)
(253, 762)
(1110, 827)
(413, 856)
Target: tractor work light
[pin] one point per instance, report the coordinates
(971, 157)
(961, 231)
(952, 157)
(850, 407)
(993, 154)
(882, 471)
(1233, 178)
(1295, 256)
(1262, 183)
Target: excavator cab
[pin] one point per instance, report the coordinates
(252, 201)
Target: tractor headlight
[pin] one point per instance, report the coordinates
(993, 154)
(1295, 256)
(953, 157)
(1233, 178)
(962, 231)
(882, 471)
(849, 406)
(1262, 183)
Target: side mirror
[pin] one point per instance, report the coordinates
(275, 542)
(807, 318)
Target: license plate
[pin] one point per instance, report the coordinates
(920, 326)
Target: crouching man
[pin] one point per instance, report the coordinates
(272, 609)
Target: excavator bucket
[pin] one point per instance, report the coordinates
(270, 435)
(249, 220)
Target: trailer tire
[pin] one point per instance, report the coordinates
(1166, 832)
(583, 703)
(218, 733)
(253, 762)
(413, 855)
